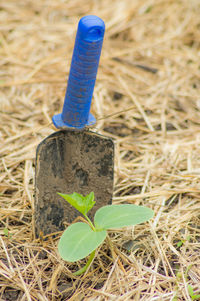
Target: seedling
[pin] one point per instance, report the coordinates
(83, 238)
(192, 294)
(182, 241)
(7, 233)
(179, 276)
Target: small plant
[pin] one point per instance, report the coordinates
(82, 238)
(182, 241)
(179, 276)
(192, 294)
(7, 233)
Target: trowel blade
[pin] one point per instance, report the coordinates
(69, 161)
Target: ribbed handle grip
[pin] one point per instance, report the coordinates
(82, 76)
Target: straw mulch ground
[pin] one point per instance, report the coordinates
(147, 98)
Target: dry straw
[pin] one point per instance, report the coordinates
(147, 98)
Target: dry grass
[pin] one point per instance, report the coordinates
(147, 98)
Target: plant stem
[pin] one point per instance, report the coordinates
(89, 221)
(82, 270)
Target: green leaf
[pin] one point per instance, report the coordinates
(82, 203)
(190, 290)
(179, 243)
(148, 9)
(78, 241)
(6, 232)
(118, 216)
(188, 238)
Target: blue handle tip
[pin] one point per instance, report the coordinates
(82, 76)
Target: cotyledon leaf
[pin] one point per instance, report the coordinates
(78, 241)
(123, 215)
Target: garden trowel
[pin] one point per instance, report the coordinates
(74, 159)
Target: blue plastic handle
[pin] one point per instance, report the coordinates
(82, 76)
